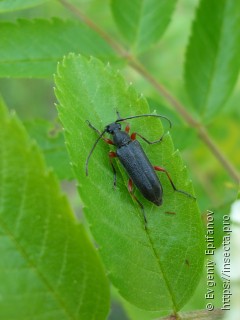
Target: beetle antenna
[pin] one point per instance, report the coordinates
(91, 151)
(145, 115)
(118, 115)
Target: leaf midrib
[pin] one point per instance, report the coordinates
(25, 257)
(151, 244)
(39, 274)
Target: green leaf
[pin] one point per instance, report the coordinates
(156, 268)
(32, 48)
(6, 5)
(142, 22)
(182, 134)
(49, 269)
(132, 312)
(51, 141)
(212, 59)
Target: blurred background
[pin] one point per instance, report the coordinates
(34, 102)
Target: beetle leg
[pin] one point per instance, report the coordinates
(130, 189)
(127, 129)
(169, 178)
(108, 141)
(111, 155)
(134, 134)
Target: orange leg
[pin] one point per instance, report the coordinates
(127, 129)
(173, 185)
(134, 134)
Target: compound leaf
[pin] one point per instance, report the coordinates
(212, 59)
(142, 22)
(49, 270)
(32, 48)
(156, 268)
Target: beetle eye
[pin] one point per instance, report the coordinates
(108, 129)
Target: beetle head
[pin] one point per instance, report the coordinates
(113, 127)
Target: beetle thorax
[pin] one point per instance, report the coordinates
(121, 138)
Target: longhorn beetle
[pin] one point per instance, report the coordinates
(136, 163)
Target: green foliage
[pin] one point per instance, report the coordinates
(137, 260)
(6, 5)
(139, 20)
(182, 135)
(212, 60)
(51, 141)
(49, 270)
(24, 55)
(48, 266)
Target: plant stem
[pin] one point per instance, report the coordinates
(72, 8)
(180, 108)
(201, 130)
(216, 314)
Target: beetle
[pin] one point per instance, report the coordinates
(134, 160)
